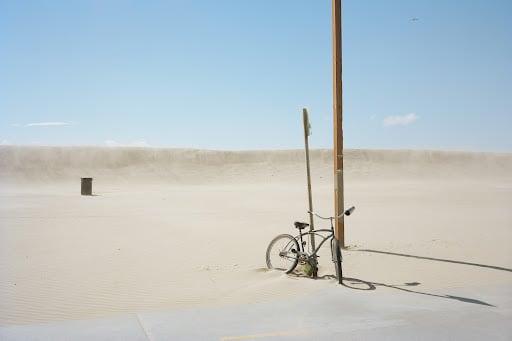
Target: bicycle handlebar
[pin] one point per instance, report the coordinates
(319, 216)
(347, 213)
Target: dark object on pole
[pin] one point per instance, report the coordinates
(307, 132)
(86, 186)
(339, 230)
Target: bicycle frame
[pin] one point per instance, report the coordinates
(330, 236)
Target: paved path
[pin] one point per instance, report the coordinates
(339, 313)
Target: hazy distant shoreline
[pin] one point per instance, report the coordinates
(49, 164)
(228, 150)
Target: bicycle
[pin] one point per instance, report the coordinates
(284, 251)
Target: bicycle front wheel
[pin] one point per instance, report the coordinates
(283, 253)
(336, 258)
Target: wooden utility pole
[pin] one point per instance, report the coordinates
(339, 230)
(307, 132)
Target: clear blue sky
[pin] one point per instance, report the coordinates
(235, 74)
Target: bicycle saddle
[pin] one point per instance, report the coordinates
(300, 225)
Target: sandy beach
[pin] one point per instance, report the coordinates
(176, 228)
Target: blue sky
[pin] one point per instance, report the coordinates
(235, 74)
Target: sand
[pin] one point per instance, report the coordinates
(171, 228)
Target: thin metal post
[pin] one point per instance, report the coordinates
(339, 230)
(307, 132)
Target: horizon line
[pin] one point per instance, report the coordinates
(97, 146)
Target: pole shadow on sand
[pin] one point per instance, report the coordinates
(434, 259)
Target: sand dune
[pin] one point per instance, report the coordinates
(172, 227)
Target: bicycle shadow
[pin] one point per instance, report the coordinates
(373, 285)
(370, 286)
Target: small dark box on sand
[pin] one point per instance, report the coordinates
(86, 186)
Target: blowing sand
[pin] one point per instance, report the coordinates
(173, 228)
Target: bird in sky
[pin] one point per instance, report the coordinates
(414, 19)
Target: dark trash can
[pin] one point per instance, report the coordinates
(86, 186)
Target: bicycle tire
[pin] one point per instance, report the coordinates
(339, 269)
(336, 252)
(287, 262)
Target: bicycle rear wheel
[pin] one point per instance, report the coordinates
(282, 253)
